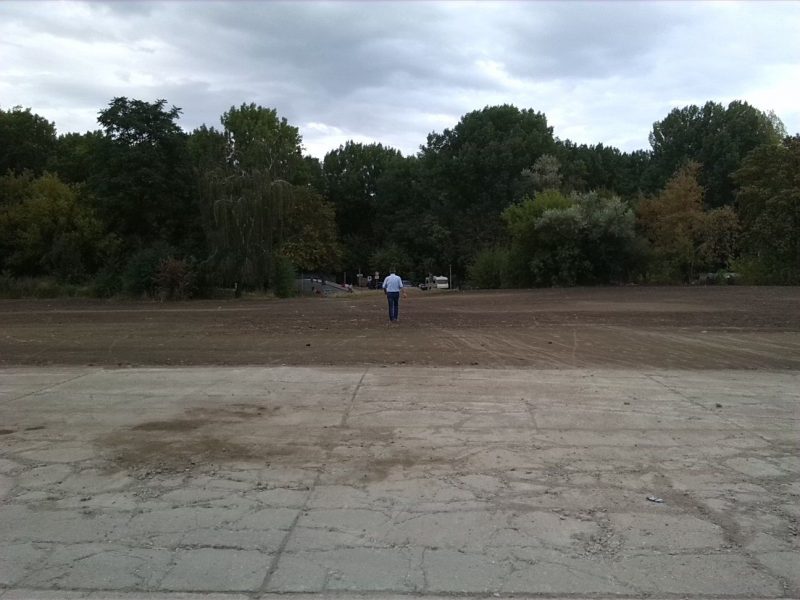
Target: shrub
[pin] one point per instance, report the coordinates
(7, 287)
(140, 273)
(488, 269)
(38, 287)
(204, 279)
(283, 277)
(391, 257)
(758, 271)
(107, 283)
(175, 279)
(47, 288)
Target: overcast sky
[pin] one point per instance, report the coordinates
(393, 72)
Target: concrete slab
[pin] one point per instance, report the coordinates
(349, 569)
(100, 567)
(16, 560)
(720, 575)
(216, 569)
(783, 564)
(385, 482)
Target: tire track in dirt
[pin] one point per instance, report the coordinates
(630, 327)
(503, 346)
(515, 340)
(722, 349)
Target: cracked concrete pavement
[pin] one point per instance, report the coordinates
(400, 481)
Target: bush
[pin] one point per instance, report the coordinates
(585, 239)
(7, 288)
(107, 283)
(175, 279)
(757, 271)
(140, 273)
(489, 268)
(204, 279)
(391, 257)
(283, 277)
(39, 287)
(47, 288)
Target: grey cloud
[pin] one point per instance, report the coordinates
(124, 9)
(335, 52)
(394, 71)
(576, 40)
(50, 18)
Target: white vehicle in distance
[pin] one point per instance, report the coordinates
(441, 282)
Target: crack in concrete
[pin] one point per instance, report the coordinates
(285, 541)
(732, 532)
(51, 386)
(404, 499)
(345, 416)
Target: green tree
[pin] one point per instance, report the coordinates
(713, 135)
(142, 183)
(403, 216)
(261, 211)
(311, 242)
(596, 167)
(768, 204)
(555, 240)
(45, 229)
(352, 173)
(673, 224)
(27, 141)
(521, 217)
(721, 237)
(556, 258)
(473, 173)
(520, 220)
(632, 180)
(208, 149)
(391, 256)
(607, 237)
(590, 241)
(544, 175)
(312, 174)
(602, 168)
(246, 219)
(284, 277)
(257, 140)
(75, 156)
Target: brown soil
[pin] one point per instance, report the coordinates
(626, 327)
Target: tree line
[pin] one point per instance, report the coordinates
(140, 206)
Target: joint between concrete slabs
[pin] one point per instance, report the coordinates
(279, 553)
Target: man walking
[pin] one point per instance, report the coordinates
(391, 287)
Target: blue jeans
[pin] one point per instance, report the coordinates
(394, 304)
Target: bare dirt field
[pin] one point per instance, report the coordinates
(626, 327)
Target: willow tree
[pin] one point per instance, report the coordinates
(259, 212)
(245, 223)
(256, 224)
(310, 239)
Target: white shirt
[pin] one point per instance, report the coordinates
(392, 283)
